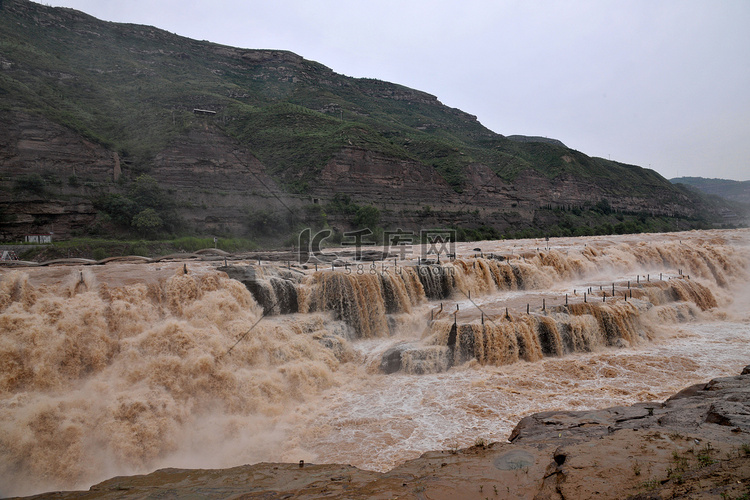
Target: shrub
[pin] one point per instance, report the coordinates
(118, 207)
(33, 183)
(147, 221)
(99, 253)
(146, 193)
(367, 216)
(140, 248)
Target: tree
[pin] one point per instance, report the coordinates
(147, 221)
(603, 206)
(367, 216)
(119, 208)
(145, 191)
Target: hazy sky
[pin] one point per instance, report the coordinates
(664, 84)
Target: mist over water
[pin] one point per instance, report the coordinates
(108, 371)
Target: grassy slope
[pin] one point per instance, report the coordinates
(133, 88)
(738, 191)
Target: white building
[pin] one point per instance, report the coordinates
(38, 238)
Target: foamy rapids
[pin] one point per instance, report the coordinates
(123, 369)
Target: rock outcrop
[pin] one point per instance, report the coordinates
(72, 168)
(214, 180)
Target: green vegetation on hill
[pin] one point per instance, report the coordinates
(737, 191)
(146, 208)
(133, 88)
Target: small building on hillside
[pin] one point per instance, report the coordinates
(38, 238)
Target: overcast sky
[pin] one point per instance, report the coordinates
(661, 84)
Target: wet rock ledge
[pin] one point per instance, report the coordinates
(694, 445)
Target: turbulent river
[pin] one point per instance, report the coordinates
(126, 368)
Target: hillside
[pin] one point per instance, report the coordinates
(110, 128)
(527, 138)
(738, 191)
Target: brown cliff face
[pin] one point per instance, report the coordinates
(403, 188)
(206, 159)
(34, 144)
(378, 178)
(72, 168)
(213, 180)
(216, 181)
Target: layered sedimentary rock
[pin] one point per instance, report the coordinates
(72, 167)
(213, 182)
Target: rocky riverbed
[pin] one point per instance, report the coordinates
(696, 444)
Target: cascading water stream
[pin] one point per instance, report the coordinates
(366, 299)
